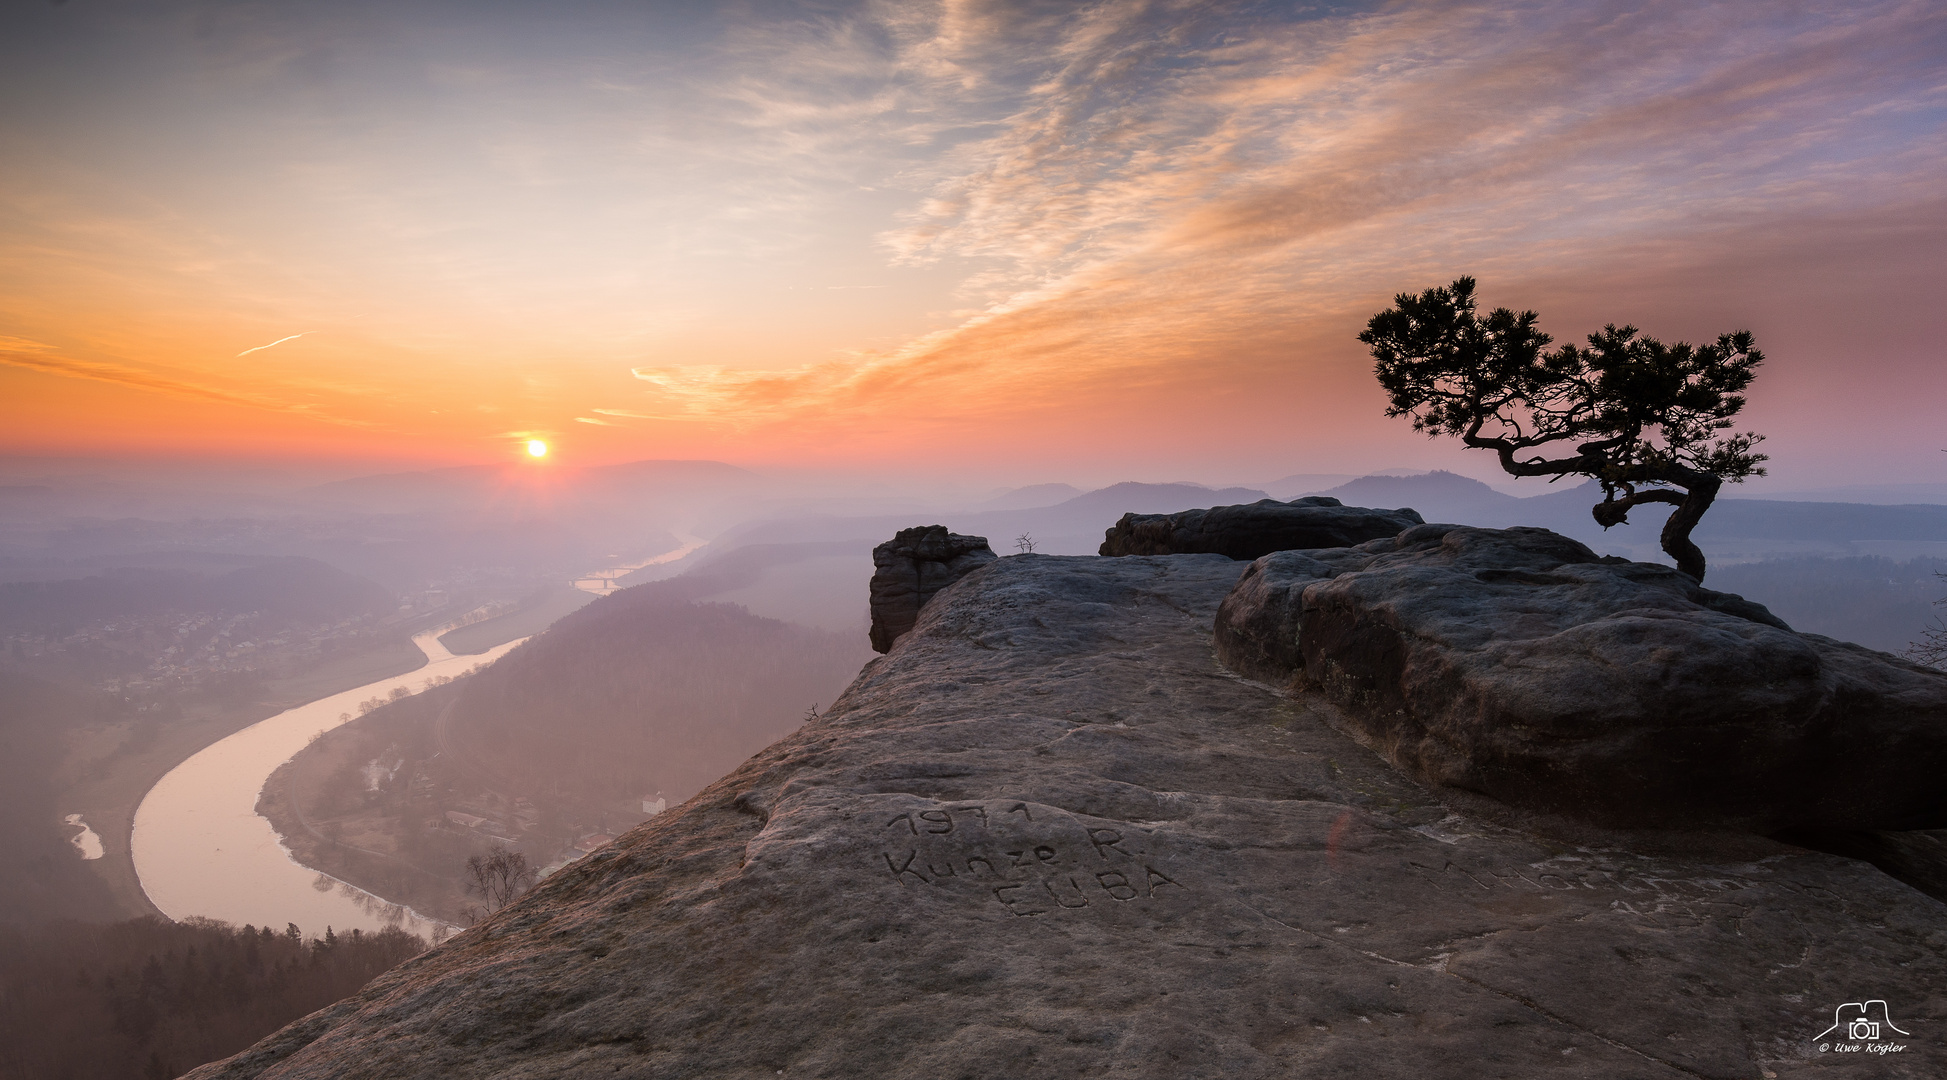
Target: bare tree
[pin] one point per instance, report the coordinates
(1932, 646)
(1024, 543)
(497, 878)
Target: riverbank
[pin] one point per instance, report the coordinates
(108, 771)
(365, 848)
(201, 849)
(541, 611)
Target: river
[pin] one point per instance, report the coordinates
(87, 841)
(200, 847)
(602, 582)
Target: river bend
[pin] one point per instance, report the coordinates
(200, 847)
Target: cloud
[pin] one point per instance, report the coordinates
(1089, 214)
(630, 415)
(746, 396)
(38, 356)
(1144, 192)
(279, 341)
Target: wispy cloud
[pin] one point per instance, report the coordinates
(627, 414)
(44, 358)
(279, 341)
(1180, 185)
(1082, 214)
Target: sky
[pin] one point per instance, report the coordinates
(1023, 241)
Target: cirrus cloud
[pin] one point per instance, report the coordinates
(1141, 191)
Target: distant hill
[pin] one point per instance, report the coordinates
(1438, 496)
(816, 583)
(1132, 498)
(1734, 527)
(1073, 526)
(640, 692)
(1034, 495)
(1290, 487)
(644, 690)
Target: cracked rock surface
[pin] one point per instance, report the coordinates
(1049, 836)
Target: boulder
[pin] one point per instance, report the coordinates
(913, 566)
(1517, 664)
(1259, 528)
(1048, 837)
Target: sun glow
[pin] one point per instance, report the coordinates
(537, 448)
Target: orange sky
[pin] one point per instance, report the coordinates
(1010, 239)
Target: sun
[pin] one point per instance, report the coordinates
(537, 448)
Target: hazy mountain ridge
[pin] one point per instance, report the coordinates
(1031, 497)
(642, 693)
(1073, 526)
(1445, 496)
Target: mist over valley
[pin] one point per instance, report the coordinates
(678, 618)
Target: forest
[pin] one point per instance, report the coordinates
(151, 998)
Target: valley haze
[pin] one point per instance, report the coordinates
(523, 423)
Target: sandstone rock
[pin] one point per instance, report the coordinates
(910, 568)
(1918, 858)
(1518, 664)
(1049, 837)
(1246, 532)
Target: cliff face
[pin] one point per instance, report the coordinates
(1048, 836)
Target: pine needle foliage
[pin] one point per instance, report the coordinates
(1651, 422)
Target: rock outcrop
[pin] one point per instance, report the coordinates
(913, 566)
(1518, 664)
(1249, 531)
(1047, 836)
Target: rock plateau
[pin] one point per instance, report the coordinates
(1247, 531)
(1048, 835)
(1517, 664)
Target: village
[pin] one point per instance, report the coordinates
(146, 658)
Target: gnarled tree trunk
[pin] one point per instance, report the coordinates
(1700, 490)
